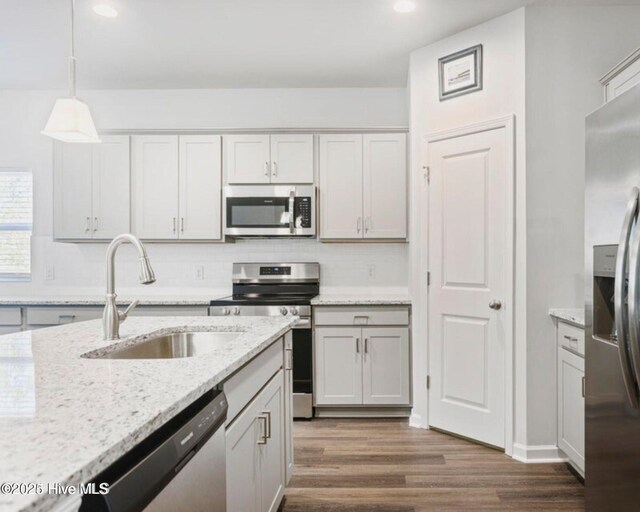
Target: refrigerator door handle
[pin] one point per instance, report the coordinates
(621, 315)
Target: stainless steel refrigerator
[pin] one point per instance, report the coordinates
(612, 306)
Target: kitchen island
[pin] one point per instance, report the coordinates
(65, 417)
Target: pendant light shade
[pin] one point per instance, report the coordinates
(70, 119)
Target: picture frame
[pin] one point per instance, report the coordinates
(460, 73)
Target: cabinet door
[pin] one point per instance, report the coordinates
(288, 405)
(73, 170)
(341, 186)
(111, 194)
(155, 186)
(272, 453)
(246, 159)
(200, 187)
(385, 366)
(243, 460)
(292, 159)
(571, 406)
(385, 185)
(338, 371)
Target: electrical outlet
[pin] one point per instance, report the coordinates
(198, 273)
(49, 272)
(371, 271)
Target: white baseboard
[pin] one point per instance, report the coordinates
(416, 421)
(538, 454)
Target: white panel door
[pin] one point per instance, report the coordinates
(155, 186)
(338, 366)
(272, 467)
(385, 185)
(385, 379)
(243, 460)
(341, 187)
(292, 158)
(200, 187)
(571, 406)
(73, 174)
(467, 260)
(111, 190)
(247, 159)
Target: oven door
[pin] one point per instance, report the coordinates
(264, 211)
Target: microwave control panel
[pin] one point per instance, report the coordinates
(302, 212)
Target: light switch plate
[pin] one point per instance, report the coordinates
(198, 272)
(49, 273)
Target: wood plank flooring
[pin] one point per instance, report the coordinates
(372, 465)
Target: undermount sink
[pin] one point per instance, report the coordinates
(174, 346)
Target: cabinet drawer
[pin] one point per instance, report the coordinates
(347, 315)
(170, 311)
(59, 316)
(571, 337)
(10, 316)
(243, 385)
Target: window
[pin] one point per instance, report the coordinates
(16, 222)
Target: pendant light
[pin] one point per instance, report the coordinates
(70, 119)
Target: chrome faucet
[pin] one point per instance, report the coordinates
(111, 317)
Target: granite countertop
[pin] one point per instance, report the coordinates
(573, 316)
(65, 418)
(99, 300)
(360, 300)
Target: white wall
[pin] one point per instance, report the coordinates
(568, 49)
(79, 268)
(503, 94)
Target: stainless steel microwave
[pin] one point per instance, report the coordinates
(270, 211)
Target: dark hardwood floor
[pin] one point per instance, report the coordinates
(371, 465)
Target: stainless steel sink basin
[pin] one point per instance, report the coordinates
(173, 346)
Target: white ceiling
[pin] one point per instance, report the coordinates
(226, 43)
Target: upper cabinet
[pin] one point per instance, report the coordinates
(256, 159)
(363, 187)
(622, 77)
(91, 189)
(177, 187)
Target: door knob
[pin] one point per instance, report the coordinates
(495, 304)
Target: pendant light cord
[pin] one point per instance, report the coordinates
(72, 57)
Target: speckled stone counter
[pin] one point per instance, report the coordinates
(361, 300)
(98, 300)
(64, 418)
(573, 316)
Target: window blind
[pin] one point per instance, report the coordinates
(16, 223)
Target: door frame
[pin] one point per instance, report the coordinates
(508, 123)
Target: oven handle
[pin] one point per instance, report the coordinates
(303, 323)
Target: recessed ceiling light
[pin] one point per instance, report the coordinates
(404, 6)
(105, 10)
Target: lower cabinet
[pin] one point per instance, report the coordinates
(571, 407)
(362, 366)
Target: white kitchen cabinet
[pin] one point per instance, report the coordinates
(363, 187)
(288, 405)
(385, 186)
(571, 420)
(247, 159)
(622, 77)
(341, 186)
(255, 452)
(200, 181)
(91, 189)
(385, 377)
(155, 186)
(177, 187)
(338, 365)
(260, 159)
(292, 158)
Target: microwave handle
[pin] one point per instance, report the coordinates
(292, 213)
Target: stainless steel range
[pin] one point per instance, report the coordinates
(279, 289)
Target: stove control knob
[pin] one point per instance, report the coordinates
(294, 311)
(236, 310)
(284, 311)
(225, 311)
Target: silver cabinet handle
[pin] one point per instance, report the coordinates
(288, 359)
(366, 345)
(584, 386)
(266, 168)
(174, 224)
(268, 432)
(263, 429)
(621, 313)
(570, 338)
(66, 319)
(367, 224)
(357, 345)
(88, 225)
(274, 169)
(358, 224)
(95, 224)
(495, 304)
(181, 224)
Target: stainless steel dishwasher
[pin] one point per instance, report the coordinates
(179, 467)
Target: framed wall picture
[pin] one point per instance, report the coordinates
(460, 73)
